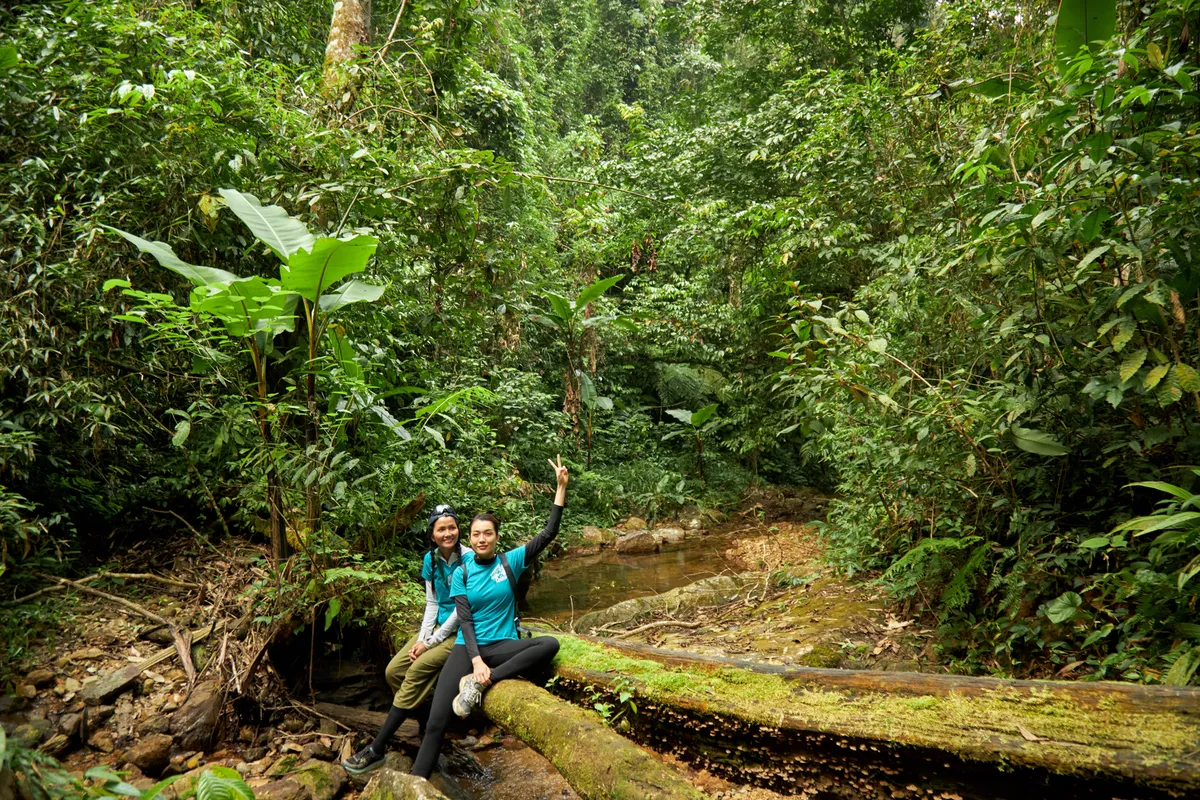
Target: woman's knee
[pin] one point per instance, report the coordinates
(547, 646)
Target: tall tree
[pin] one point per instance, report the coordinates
(350, 26)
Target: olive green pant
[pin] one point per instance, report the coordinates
(413, 681)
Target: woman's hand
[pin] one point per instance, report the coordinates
(560, 472)
(416, 651)
(483, 673)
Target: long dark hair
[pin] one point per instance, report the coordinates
(487, 516)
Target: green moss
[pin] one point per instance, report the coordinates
(821, 656)
(1070, 737)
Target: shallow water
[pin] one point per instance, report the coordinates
(571, 586)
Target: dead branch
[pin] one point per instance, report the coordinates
(132, 576)
(661, 624)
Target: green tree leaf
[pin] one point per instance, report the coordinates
(1132, 363)
(354, 291)
(201, 276)
(1063, 608)
(1037, 442)
(701, 416)
(1155, 375)
(182, 429)
(595, 291)
(1189, 380)
(310, 272)
(282, 233)
(1080, 24)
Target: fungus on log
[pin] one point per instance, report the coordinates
(1143, 734)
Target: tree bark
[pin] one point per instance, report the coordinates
(802, 727)
(349, 27)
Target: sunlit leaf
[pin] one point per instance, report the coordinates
(282, 233)
(1080, 24)
(1037, 442)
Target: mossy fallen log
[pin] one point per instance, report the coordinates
(595, 760)
(788, 728)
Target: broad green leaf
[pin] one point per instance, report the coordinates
(1189, 380)
(1163, 486)
(1155, 375)
(595, 291)
(1132, 363)
(878, 345)
(279, 231)
(113, 283)
(1080, 23)
(344, 353)
(154, 790)
(1140, 526)
(1125, 331)
(332, 610)
(201, 276)
(1037, 442)
(1064, 607)
(682, 415)
(701, 416)
(1095, 543)
(587, 389)
(1168, 390)
(999, 86)
(561, 306)
(604, 403)
(354, 291)
(8, 58)
(248, 306)
(311, 271)
(182, 429)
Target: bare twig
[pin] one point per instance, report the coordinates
(392, 32)
(132, 576)
(661, 624)
(319, 714)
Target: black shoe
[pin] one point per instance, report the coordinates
(364, 760)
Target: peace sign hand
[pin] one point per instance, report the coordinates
(560, 472)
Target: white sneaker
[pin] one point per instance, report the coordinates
(469, 696)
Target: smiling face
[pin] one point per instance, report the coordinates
(483, 538)
(445, 534)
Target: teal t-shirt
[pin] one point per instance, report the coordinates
(441, 583)
(493, 607)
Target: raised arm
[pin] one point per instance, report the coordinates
(539, 543)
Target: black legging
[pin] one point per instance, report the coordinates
(506, 659)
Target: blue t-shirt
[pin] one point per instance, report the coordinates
(493, 607)
(441, 583)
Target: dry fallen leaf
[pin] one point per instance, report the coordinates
(1029, 737)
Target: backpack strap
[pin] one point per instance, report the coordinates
(462, 561)
(512, 582)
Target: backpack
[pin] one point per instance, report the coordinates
(522, 633)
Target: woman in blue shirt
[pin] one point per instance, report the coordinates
(488, 647)
(414, 670)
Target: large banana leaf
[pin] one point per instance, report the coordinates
(201, 276)
(282, 233)
(354, 291)
(311, 271)
(1080, 23)
(594, 291)
(249, 305)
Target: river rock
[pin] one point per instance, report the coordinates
(154, 724)
(669, 536)
(598, 536)
(639, 542)
(68, 724)
(27, 690)
(390, 784)
(195, 723)
(281, 789)
(102, 741)
(283, 766)
(41, 678)
(151, 754)
(317, 750)
(27, 735)
(324, 781)
(634, 524)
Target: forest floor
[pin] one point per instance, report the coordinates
(801, 614)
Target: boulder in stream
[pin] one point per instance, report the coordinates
(151, 754)
(707, 592)
(389, 784)
(324, 781)
(195, 723)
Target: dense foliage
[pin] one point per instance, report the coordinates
(937, 258)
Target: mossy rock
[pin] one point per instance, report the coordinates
(389, 784)
(324, 781)
(821, 656)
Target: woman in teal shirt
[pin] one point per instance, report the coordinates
(488, 647)
(411, 674)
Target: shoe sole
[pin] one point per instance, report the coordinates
(362, 770)
(458, 702)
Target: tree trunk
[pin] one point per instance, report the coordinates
(350, 27)
(597, 761)
(870, 731)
